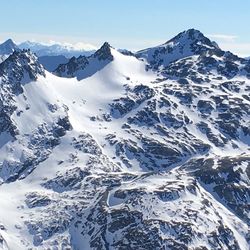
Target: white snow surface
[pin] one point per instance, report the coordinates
(84, 99)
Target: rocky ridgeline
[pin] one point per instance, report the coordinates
(19, 68)
(173, 174)
(193, 56)
(90, 64)
(8, 47)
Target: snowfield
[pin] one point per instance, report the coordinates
(126, 151)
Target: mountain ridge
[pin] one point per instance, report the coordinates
(51, 55)
(126, 153)
(78, 66)
(8, 47)
(55, 49)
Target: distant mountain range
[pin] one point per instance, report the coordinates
(50, 55)
(56, 49)
(54, 54)
(121, 150)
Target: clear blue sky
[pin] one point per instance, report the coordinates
(132, 24)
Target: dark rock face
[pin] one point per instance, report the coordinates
(87, 144)
(205, 106)
(134, 98)
(73, 65)
(126, 52)
(71, 181)
(194, 69)
(41, 142)
(199, 43)
(126, 224)
(6, 124)
(19, 65)
(191, 55)
(227, 180)
(85, 66)
(19, 68)
(187, 43)
(104, 53)
(155, 154)
(37, 200)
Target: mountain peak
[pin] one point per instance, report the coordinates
(8, 47)
(9, 42)
(193, 37)
(106, 44)
(187, 43)
(19, 64)
(104, 53)
(24, 56)
(190, 33)
(83, 66)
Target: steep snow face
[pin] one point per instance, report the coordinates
(118, 155)
(17, 70)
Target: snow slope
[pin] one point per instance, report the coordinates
(125, 157)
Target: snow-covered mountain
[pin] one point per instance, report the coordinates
(187, 43)
(6, 48)
(57, 49)
(124, 151)
(50, 55)
(82, 66)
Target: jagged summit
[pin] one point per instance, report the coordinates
(21, 66)
(191, 55)
(193, 35)
(104, 53)
(82, 66)
(9, 42)
(189, 49)
(192, 32)
(187, 43)
(8, 47)
(187, 34)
